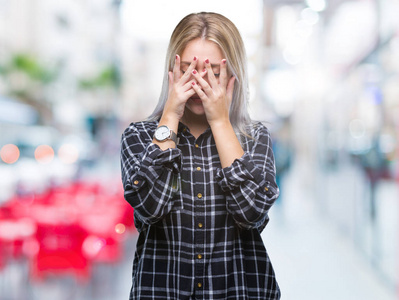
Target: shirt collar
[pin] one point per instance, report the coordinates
(183, 129)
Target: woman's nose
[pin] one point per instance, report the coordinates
(200, 67)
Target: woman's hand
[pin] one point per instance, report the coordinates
(180, 89)
(216, 98)
(216, 95)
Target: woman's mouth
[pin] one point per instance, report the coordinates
(196, 99)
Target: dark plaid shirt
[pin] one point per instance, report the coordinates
(199, 225)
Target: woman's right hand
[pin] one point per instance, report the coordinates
(180, 89)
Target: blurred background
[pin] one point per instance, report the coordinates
(324, 76)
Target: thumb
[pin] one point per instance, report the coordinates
(170, 76)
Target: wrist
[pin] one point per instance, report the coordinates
(165, 136)
(169, 120)
(220, 124)
(164, 133)
(172, 112)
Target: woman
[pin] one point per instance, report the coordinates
(200, 175)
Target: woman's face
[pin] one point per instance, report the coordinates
(203, 50)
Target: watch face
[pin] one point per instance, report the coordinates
(162, 133)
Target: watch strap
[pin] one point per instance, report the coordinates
(173, 136)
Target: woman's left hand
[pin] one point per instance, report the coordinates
(216, 94)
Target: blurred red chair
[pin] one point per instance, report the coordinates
(76, 224)
(60, 252)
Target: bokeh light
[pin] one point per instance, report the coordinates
(92, 245)
(120, 228)
(68, 154)
(9, 153)
(44, 154)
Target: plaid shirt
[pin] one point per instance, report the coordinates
(199, 225)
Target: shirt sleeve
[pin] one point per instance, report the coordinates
(150, 176)
(249, 183)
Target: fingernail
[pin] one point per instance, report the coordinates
(194, 71)
(193, 83)
(177, 56)
(204, 70)
(207, 61)
(195, 58)
(224, 61)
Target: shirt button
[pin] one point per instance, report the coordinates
(200, 225)
(266, 189)
(199, 195)
(198, 168)
(196, 146)
(199, 284)
(136, 182)
(199, 256)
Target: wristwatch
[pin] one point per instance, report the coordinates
(163, 133)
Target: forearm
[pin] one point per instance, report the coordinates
(153, 201)
(150, 177)
(250, 191)
(227, 143)
(250, 203)
(249, 183)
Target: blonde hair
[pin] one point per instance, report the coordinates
(220, 30)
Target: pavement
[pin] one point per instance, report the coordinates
(312, 257)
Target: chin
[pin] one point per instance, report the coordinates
(195, 107)
(197, 111)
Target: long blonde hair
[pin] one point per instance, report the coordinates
(220, 30)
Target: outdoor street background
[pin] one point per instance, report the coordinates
(324, 77)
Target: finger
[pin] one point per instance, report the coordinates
(190, 68)
(211, 76)
(223, 73)
(199, 91)
(189, 93)
(188, 85)
(230, 88)
(176, 69)
(170, 75)
(201, 81)
(203, 73)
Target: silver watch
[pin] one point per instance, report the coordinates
(163, 133)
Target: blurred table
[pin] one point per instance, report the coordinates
(66, 229)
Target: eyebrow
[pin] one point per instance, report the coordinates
(189, 63)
